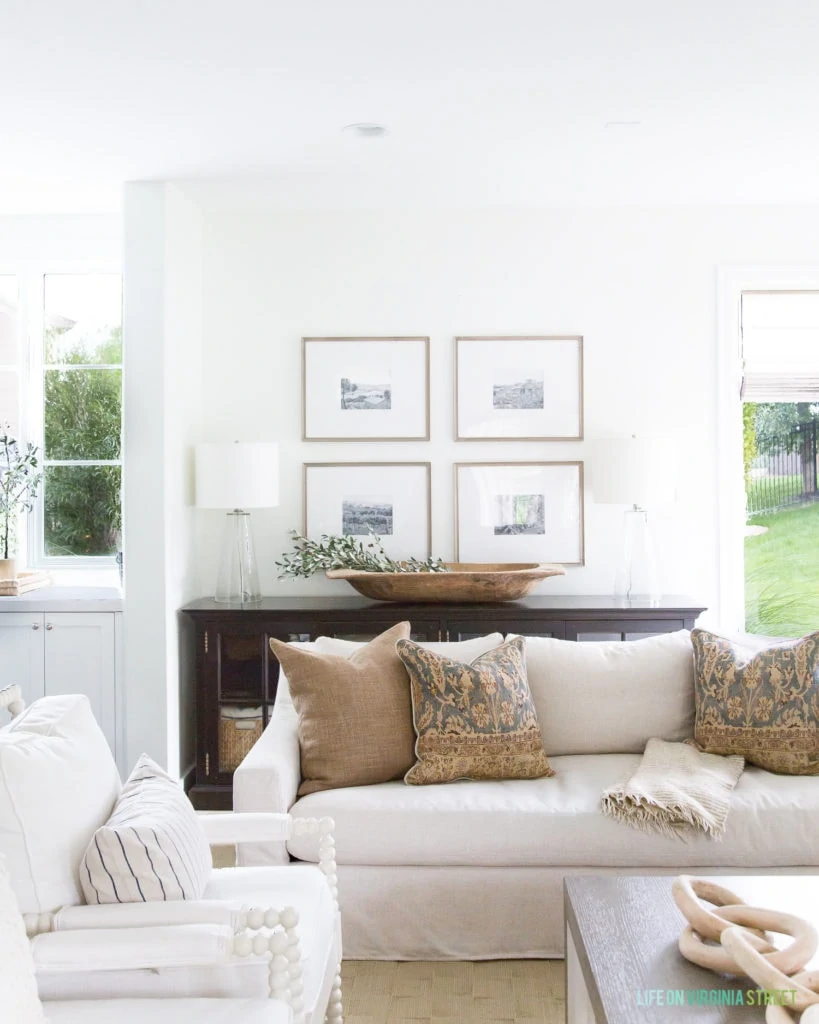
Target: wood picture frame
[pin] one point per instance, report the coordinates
(342, 498)
(365, 389)
(520, 512)
(519, 388)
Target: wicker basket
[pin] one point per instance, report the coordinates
(236, 737)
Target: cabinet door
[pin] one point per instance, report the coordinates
(591, 630)
(21, 653)
(366, 628)
(80, 658)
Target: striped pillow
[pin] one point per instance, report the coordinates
(151, 848)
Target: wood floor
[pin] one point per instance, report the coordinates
(462, 992)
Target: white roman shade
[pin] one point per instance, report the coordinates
(780, 346)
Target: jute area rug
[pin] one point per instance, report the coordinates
(457, 992)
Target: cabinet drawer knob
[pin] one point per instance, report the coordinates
(49, 625)
(35, 625)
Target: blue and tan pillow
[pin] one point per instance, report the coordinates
(473, 721)
(762, 704)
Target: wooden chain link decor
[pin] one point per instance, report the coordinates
(745, 947)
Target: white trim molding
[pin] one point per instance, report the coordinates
(731, 282)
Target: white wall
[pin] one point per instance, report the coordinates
(162, 336)
(183, 405)
(46, 241)
(638, 283)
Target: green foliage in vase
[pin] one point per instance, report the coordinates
(19, 476)
(330, 552)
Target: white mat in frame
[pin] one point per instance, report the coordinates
(519, 388)
(344, 498)
(365, 389)
(519, 512)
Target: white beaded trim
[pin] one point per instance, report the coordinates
(285, 969)
(335, 1013)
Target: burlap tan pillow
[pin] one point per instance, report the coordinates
(475, 721)
(761, 704)
(355, 714)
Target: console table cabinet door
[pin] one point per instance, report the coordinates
(423, 629)
(500, 622)
(596, 630)
(22, 655)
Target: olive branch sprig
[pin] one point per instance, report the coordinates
(331, 552)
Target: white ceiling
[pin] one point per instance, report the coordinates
(486, 101)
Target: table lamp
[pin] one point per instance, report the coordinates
(238, 476)
(640, 472)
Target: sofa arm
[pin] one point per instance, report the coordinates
(224, 828)
(268, 780)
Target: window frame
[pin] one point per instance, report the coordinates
(31, 277)
(732, 281)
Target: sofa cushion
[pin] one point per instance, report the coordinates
(611, 697)
(774, 821)
(474, 721)
(58, 784)
(151, 848)
(355, 716)
(761, 704)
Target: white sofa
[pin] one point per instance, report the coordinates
(474, 870)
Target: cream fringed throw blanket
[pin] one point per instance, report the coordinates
(676, 790)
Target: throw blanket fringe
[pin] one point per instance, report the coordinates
(676, 790)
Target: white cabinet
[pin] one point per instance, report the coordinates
(22, 653)
(50, 653)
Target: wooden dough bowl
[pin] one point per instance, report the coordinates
(465, 582)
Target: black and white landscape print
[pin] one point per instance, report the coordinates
(359, 394)
(360, 516)
(519, 513)
(517, 389)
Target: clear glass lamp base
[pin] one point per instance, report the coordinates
(637, 573)
(238, 579)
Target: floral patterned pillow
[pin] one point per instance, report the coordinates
(761, 704)
(475, 721)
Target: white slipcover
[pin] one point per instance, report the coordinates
(427, 913)
(611, 697)
(301, 887)
(774, 820)
(58, 784)
(169, 1011)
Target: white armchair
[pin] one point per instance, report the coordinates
(279, 927)
(203, 945)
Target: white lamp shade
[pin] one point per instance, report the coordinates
(632, 471)
(237, 474)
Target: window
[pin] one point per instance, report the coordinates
(70, 378)
(780, 419)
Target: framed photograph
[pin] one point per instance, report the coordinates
(391, 498)
(519, 512)
(365, 389)
(519, 389)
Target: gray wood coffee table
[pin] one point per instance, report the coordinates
(622, 961)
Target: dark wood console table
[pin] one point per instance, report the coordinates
(236, 675)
